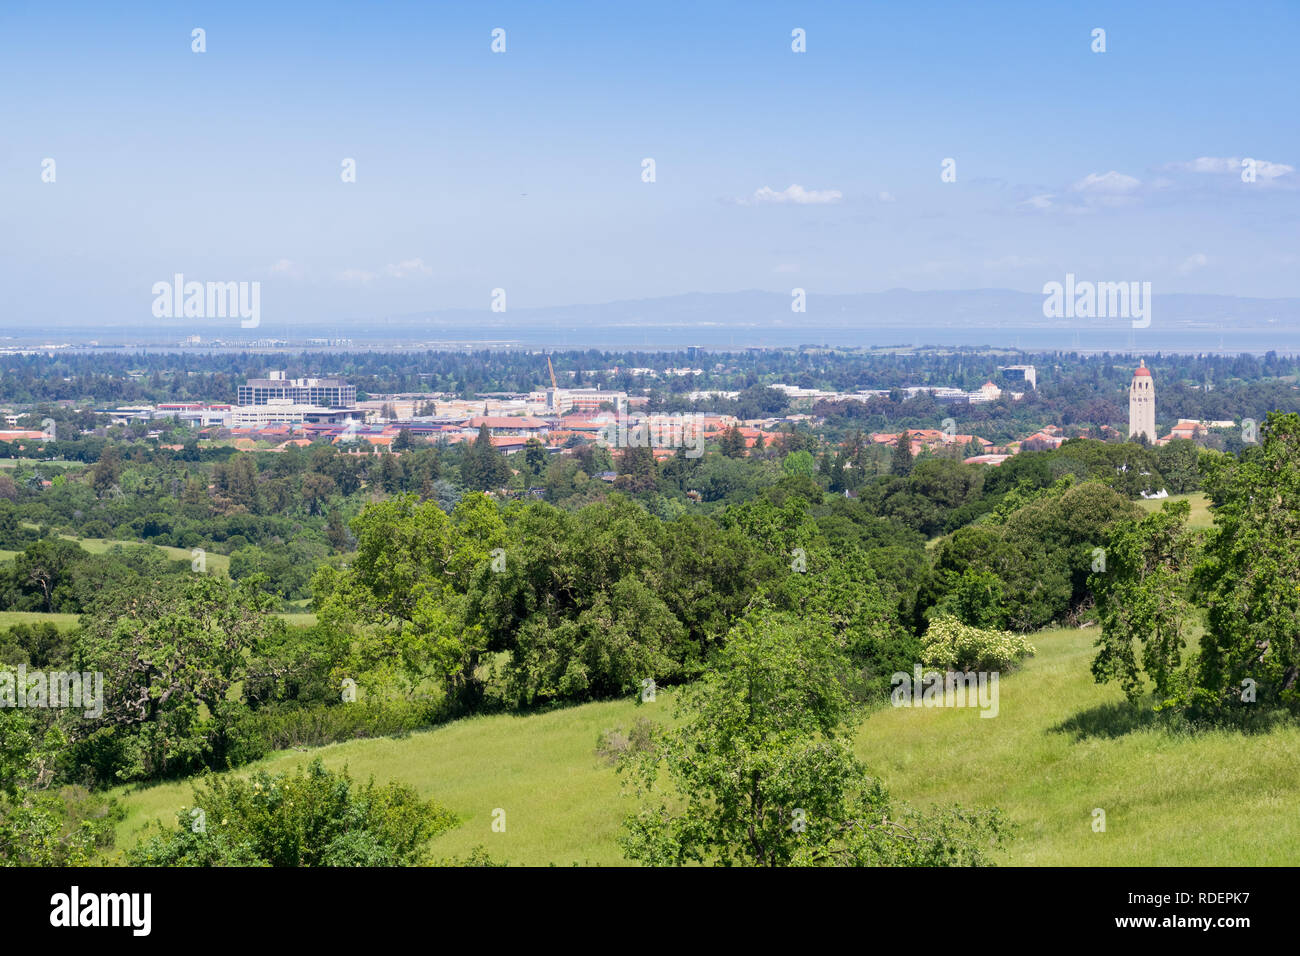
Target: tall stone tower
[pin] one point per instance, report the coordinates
(1142, 404)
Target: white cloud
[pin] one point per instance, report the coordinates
(1043, 201)
(1193, 262)
(795, 194)
(1111, 183)
(394, 270)
(407, 267)
(1232, 164)
(886, 196)
(1266, 170)
(288, 269)
(786, 267)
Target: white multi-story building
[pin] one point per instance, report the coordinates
(988, 392)
(330, 392)
(557, 401)
(283, 412)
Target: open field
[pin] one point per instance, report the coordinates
(16, 462)
(1201, 517)
(1060, 747)
(1063, 746)
(219, 563)
(61, 621)
(562, 802)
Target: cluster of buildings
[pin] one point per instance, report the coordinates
(1012, 376)
(262, 402)
(511, 433)
(280, 411)
(277, 400)
(1141, 412)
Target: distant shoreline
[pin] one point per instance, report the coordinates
(623, 339)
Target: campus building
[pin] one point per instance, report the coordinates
(1025, 375)
(1142, 404)
(320, 392)
(281, 412)
(557, 401)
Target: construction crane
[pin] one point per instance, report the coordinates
(553, 396)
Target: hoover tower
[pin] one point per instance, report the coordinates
(1142, 404)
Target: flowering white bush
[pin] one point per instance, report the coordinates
(952, 645)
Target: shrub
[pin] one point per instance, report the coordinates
(612, 745)
(311, 817)
(952, 645)
(64, 828)
(477, 857)
(284, 726)
(95, 528)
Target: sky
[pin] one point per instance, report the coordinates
(523, 170)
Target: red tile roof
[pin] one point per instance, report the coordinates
(508, 421)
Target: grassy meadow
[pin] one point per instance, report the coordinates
(1200, 517)
(216, 563)
(1063, 746)
(1060, 747)
(62, 621)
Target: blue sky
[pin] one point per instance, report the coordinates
(522, 170)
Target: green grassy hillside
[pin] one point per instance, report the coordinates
(216, 563)
(562, 803)
(1063, 746)
(1060, 747)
